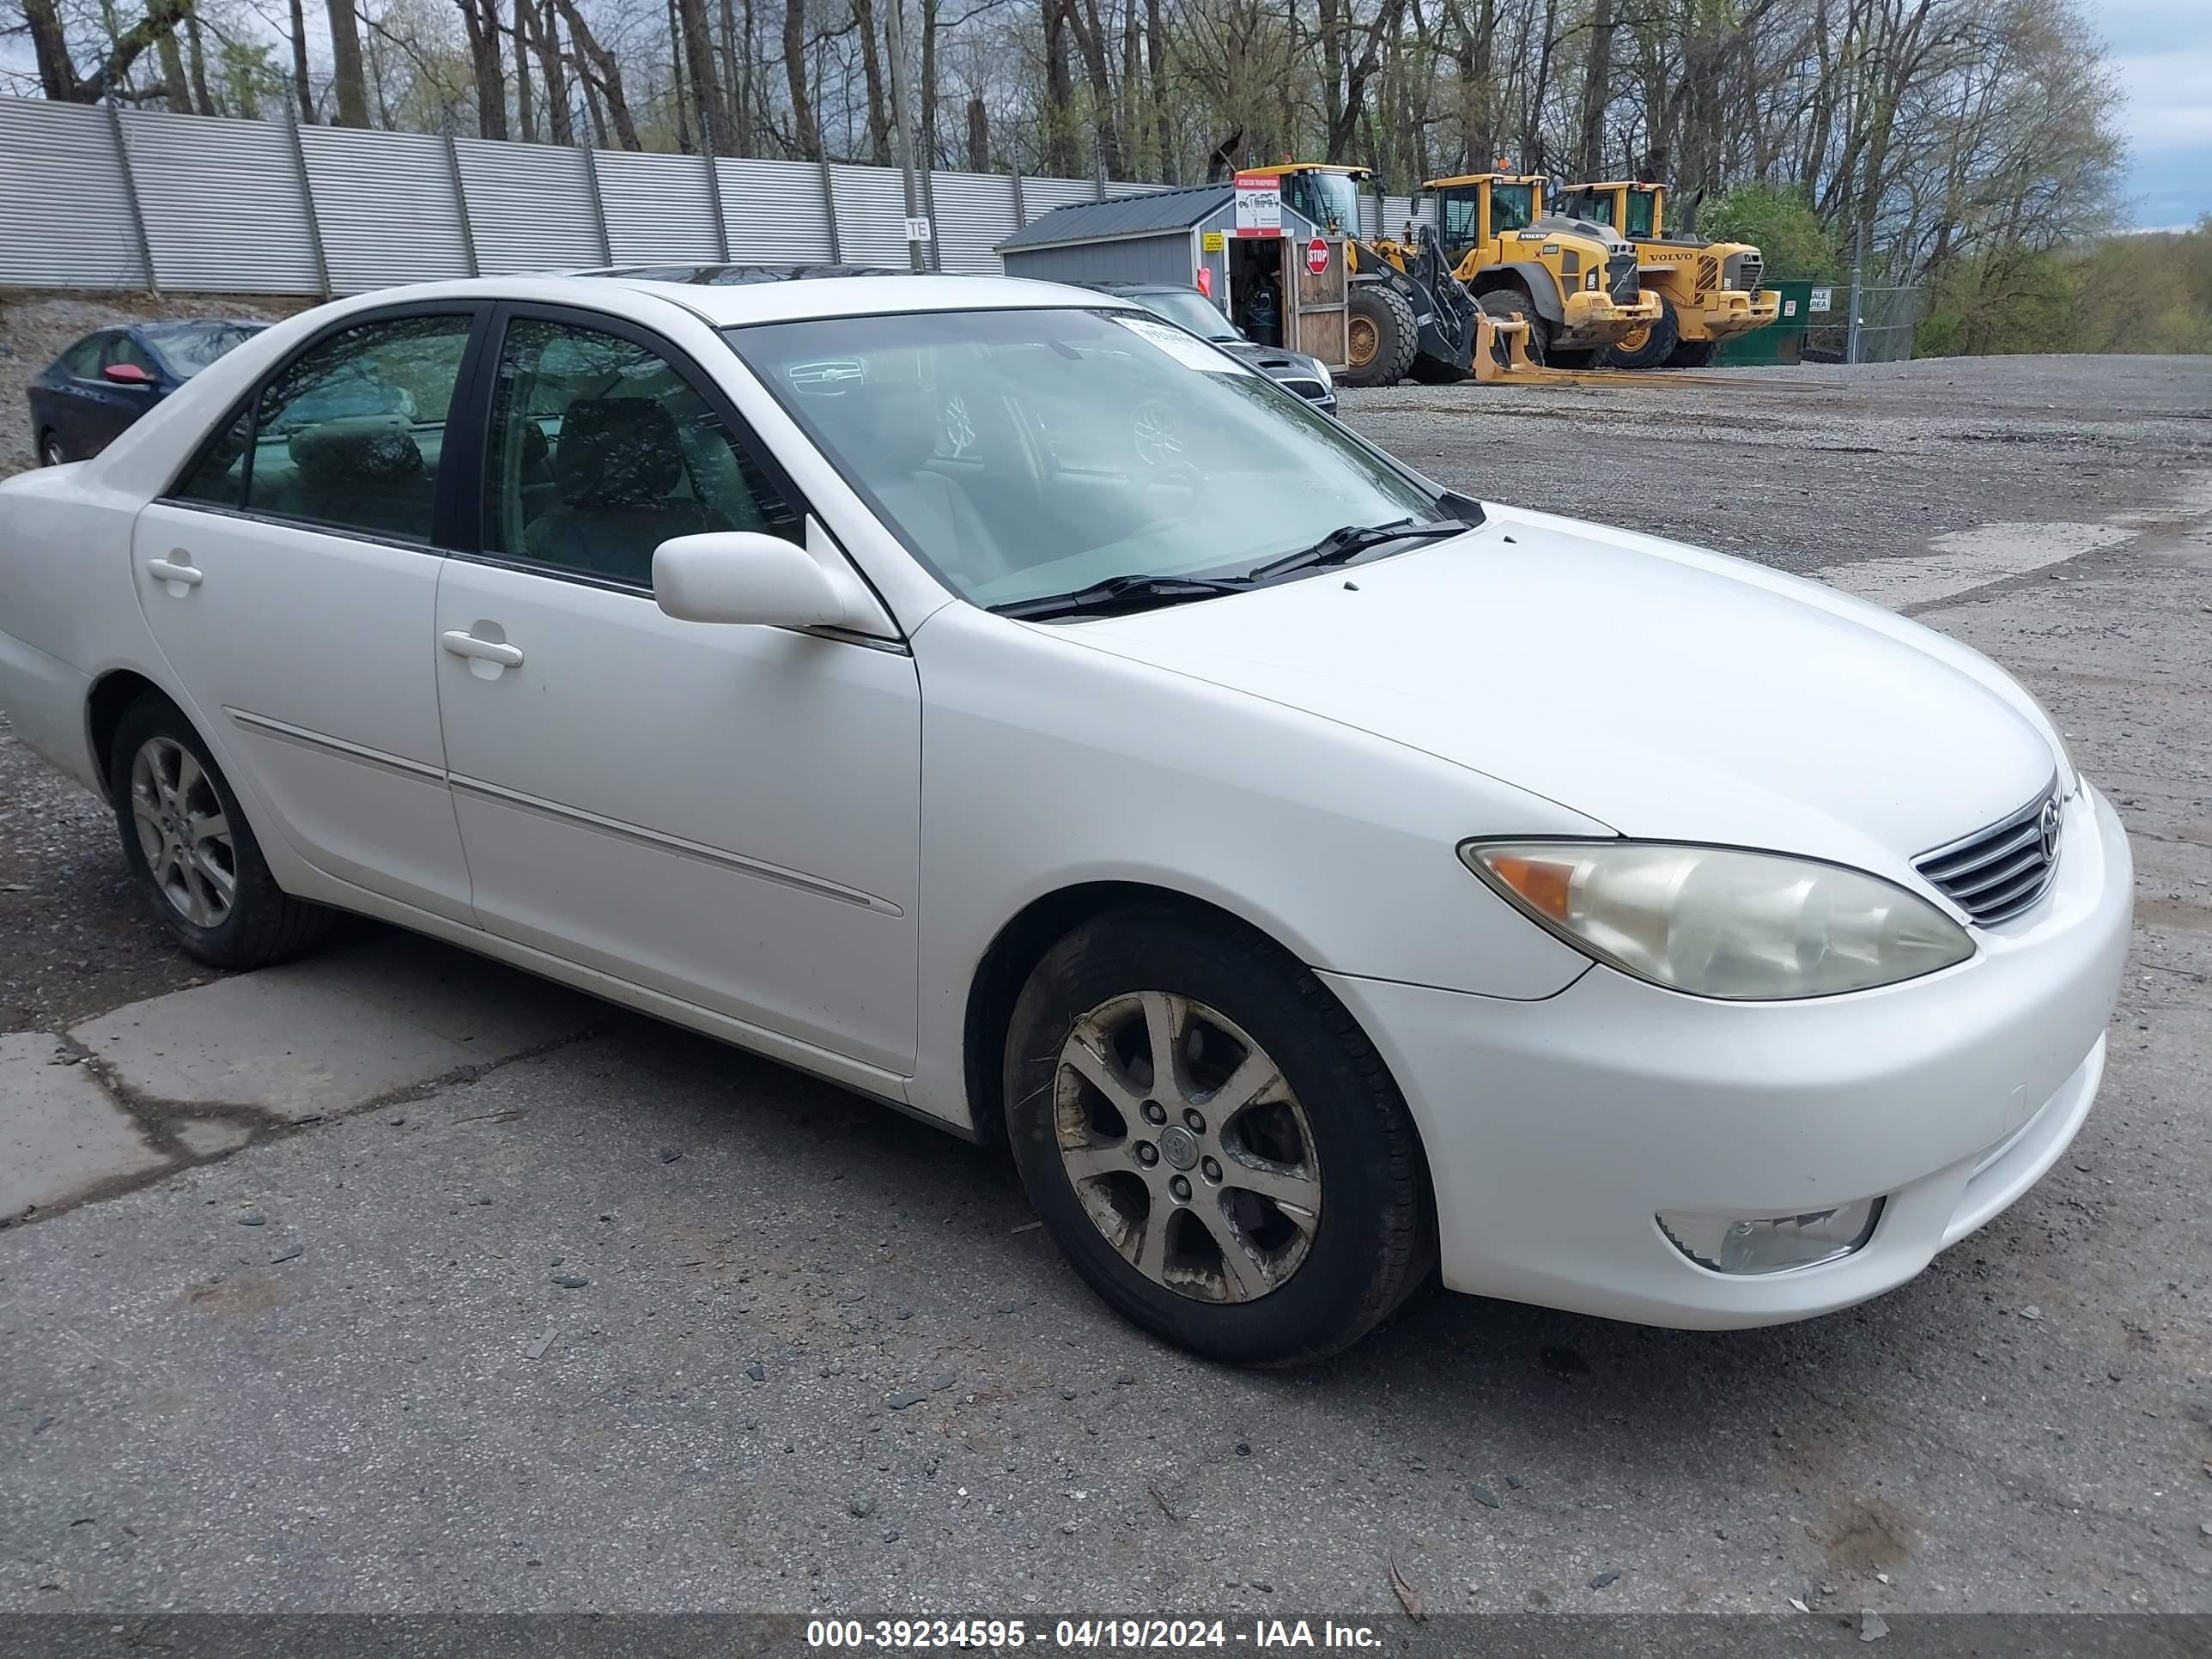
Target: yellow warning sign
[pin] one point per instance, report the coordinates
(1212, 241)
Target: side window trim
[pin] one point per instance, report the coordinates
(476, 454)
(247, 406)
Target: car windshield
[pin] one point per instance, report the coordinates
(1190, 308)
(1330, 200)
(1027, 454)
(188, 348)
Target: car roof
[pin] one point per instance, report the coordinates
(1143, 287)
(734, 296)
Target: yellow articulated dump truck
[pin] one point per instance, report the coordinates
(1707, 291)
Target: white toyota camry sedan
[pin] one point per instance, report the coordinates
(987, 695)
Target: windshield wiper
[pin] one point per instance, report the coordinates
(1349, 541)
(1132, 592)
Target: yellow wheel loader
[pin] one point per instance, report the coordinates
(1576, 283)
(1708, 291)
(1413, 297)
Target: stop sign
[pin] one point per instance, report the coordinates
(1317, 256)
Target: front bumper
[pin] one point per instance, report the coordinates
(1599, 319)
(1727, 312)
(1557, 1130)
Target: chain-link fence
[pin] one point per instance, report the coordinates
(1864, 324)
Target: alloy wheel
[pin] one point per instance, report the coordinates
(1187, 1147)
(184, 832)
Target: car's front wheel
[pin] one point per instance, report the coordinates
(188, 844)
(1210, 1139)
(50, 449)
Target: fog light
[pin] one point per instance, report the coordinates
(1740, 1244)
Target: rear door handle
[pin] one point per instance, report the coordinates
(491, 651)
(178, 576)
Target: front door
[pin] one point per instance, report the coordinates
(727, 814)
(291, 578)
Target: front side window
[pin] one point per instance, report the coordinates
(348, 435)
(122, 349)
(1129, 449)
(600, 451)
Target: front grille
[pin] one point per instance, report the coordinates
(1750, 270)
(1621, 276)
(1995, 873)
(1312, 391)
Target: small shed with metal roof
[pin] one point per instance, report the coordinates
(1172, 235)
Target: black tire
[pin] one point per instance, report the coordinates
(51, 452)
(1506, 303)
(1381, 307)
(262, 924)
(1372, 1242)
(1692, 354)
(1435, 371)
(1658, 346)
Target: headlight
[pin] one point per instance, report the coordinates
(1716, 922)
(1322, 369)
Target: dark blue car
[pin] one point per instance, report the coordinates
(109, 379)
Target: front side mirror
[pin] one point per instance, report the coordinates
(127, 374)
(743, 576)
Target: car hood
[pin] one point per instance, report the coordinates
(1668, 692)
(1266, 357)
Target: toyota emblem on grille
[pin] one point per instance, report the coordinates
(2049, 829)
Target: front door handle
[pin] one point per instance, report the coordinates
(494, 654)
(178, 576)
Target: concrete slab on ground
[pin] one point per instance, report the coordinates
(322, 1036)
(60, 1132)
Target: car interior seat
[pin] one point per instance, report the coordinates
(616, 470)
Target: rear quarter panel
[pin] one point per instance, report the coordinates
(69, 613)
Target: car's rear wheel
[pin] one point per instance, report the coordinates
(50, 449)
(188, 844)
(1210, 1139)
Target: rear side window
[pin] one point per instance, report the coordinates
(347, 435)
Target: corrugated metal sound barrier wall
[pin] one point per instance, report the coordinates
(94, 197)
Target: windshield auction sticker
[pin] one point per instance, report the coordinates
(1186, 349)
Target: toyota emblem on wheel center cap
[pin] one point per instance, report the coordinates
(1179, 1146)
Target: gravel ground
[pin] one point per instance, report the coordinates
(193, 1420)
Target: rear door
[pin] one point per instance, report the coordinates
(290, 577)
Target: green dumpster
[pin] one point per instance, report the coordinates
(1804, 305)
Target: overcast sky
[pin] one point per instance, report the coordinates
(2162, 50)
